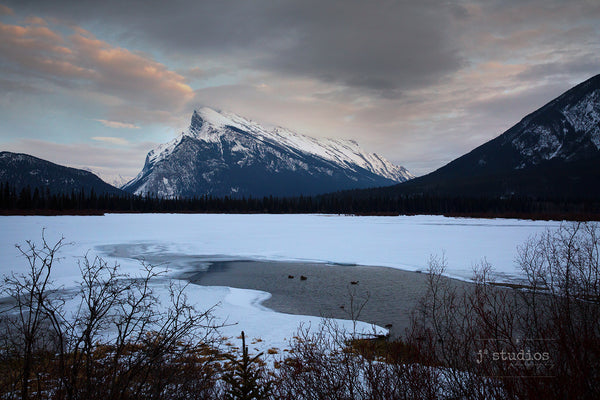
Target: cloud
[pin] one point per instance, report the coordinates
(116, 125)
(130, 75)
(380, 50)
(89, 64)
(111, 140)
(383, 47)
(35, 21)
(384, 50)
(10, 86)
(5, 10)
(576, 68)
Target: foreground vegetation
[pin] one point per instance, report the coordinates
(113, 340)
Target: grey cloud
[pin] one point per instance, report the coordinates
(388, 48)
(506, 110)
(5, 10)
(383, 47)
(9, 86)
(582, 67)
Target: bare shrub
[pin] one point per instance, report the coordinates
(112, 339)
(563, 307)
(540, 338)
(33, 308)
(448, 327)
(330, 363)
(316, 368)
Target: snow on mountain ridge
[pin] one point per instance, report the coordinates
(163, 150)
(585, 116)
(210, 125)
(562, 129)
(225, 154)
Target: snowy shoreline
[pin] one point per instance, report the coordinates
(396, 242)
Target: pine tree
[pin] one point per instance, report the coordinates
(245, 379)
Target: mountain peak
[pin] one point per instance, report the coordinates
(218, 118)
(206, 115)
(226, 154)
(209, 115)
(197, 122)
(210, 124)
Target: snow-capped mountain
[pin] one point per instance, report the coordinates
(552, 152)
(223, 154)
(116, 180)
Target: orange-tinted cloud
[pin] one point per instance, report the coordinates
(83, 61)
(111, 140)
(117, 125)
(130, 74)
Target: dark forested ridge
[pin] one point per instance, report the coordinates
(41, 201)
(24, 170)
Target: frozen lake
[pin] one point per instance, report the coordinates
(399, 242)
(404, 242)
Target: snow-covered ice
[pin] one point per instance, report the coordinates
(404, 242)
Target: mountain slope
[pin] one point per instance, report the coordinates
(22, 170)
(223, 154)
(553, 152)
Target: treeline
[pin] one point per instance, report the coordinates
(42, 201)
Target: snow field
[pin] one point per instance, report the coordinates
(399, 242)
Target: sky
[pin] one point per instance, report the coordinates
(97, 84)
